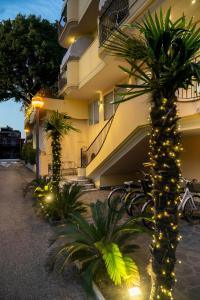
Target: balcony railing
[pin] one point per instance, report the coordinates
(111, 18)
(91, 152)
(190, 94)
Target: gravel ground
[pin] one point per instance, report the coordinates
(23, 247)
(24, 243)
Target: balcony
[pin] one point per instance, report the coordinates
(68, 77)
(111, 18)
(114, 13)
(190, 94)
(78, 18)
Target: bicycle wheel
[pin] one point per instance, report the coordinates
(116, 199)
(191, 210)
(134, 207)
(147, 211)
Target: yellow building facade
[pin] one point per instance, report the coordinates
(113, 139)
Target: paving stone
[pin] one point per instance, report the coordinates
(23, 247)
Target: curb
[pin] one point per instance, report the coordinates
(97, 292)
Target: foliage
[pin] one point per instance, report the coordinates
(57, 125)
(98, 247)
(59, 207)
(161, 59)
(29, 154)
(38, 187)
(29, 57)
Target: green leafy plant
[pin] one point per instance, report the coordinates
(29, 46)
(98, 247)
(59, 207)
(38, 187)
(29, 154)
(57, 125)
(161, 55)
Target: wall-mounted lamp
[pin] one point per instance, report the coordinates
(71, 40)
(100, 100)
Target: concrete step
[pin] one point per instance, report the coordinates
(85, 183)
(88, 186)
(90, 190)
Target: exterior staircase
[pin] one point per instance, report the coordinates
(85, 183)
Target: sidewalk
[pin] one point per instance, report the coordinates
(23, 247)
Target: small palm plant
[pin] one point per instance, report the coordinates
(161, 54)
(38, 187)
(59, 207)
(57, 125)
(98, 247)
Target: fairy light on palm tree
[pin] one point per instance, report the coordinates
(161, 57)
(56, 126)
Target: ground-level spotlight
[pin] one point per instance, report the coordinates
(49, 198)
(135, 291)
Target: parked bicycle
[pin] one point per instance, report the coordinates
(189, 204)
(120, 197)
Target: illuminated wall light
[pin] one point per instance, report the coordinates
(100, 101)
(193, 1)
(72, 39)
(135, 291)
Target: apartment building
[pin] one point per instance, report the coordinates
(10, 143)
(113, 139)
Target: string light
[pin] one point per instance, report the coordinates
(164, 155)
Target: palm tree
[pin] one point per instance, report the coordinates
(100, 246)
(57, 125)
(161, 54)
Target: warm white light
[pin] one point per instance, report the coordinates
(37, 101)
(193, 1)
(49, 198)
(135, 291)
(72, 39)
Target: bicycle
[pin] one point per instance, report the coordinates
(189, 204)
(119, 197)
(139, 204)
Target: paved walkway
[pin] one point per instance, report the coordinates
(24, 243)
(23, 247)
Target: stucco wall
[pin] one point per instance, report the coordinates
(191, 157)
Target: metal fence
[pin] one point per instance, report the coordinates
(112, 17)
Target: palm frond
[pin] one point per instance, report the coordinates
(169, 49)
(114, 262)
(59, 123)
(133, 276)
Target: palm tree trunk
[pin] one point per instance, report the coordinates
(56, 162)
(165, 150)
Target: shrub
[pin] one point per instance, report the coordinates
(58, 207)
(98, 247)
(29, 154)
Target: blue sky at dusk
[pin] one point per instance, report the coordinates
(10, 113)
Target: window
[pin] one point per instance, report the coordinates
(94, 112)
(109, 108)
(117, 94)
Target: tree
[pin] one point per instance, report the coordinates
(29, 57)
(57, 125)
(162, 57)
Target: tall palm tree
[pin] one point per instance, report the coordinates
(57, 125)
(161, 53)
